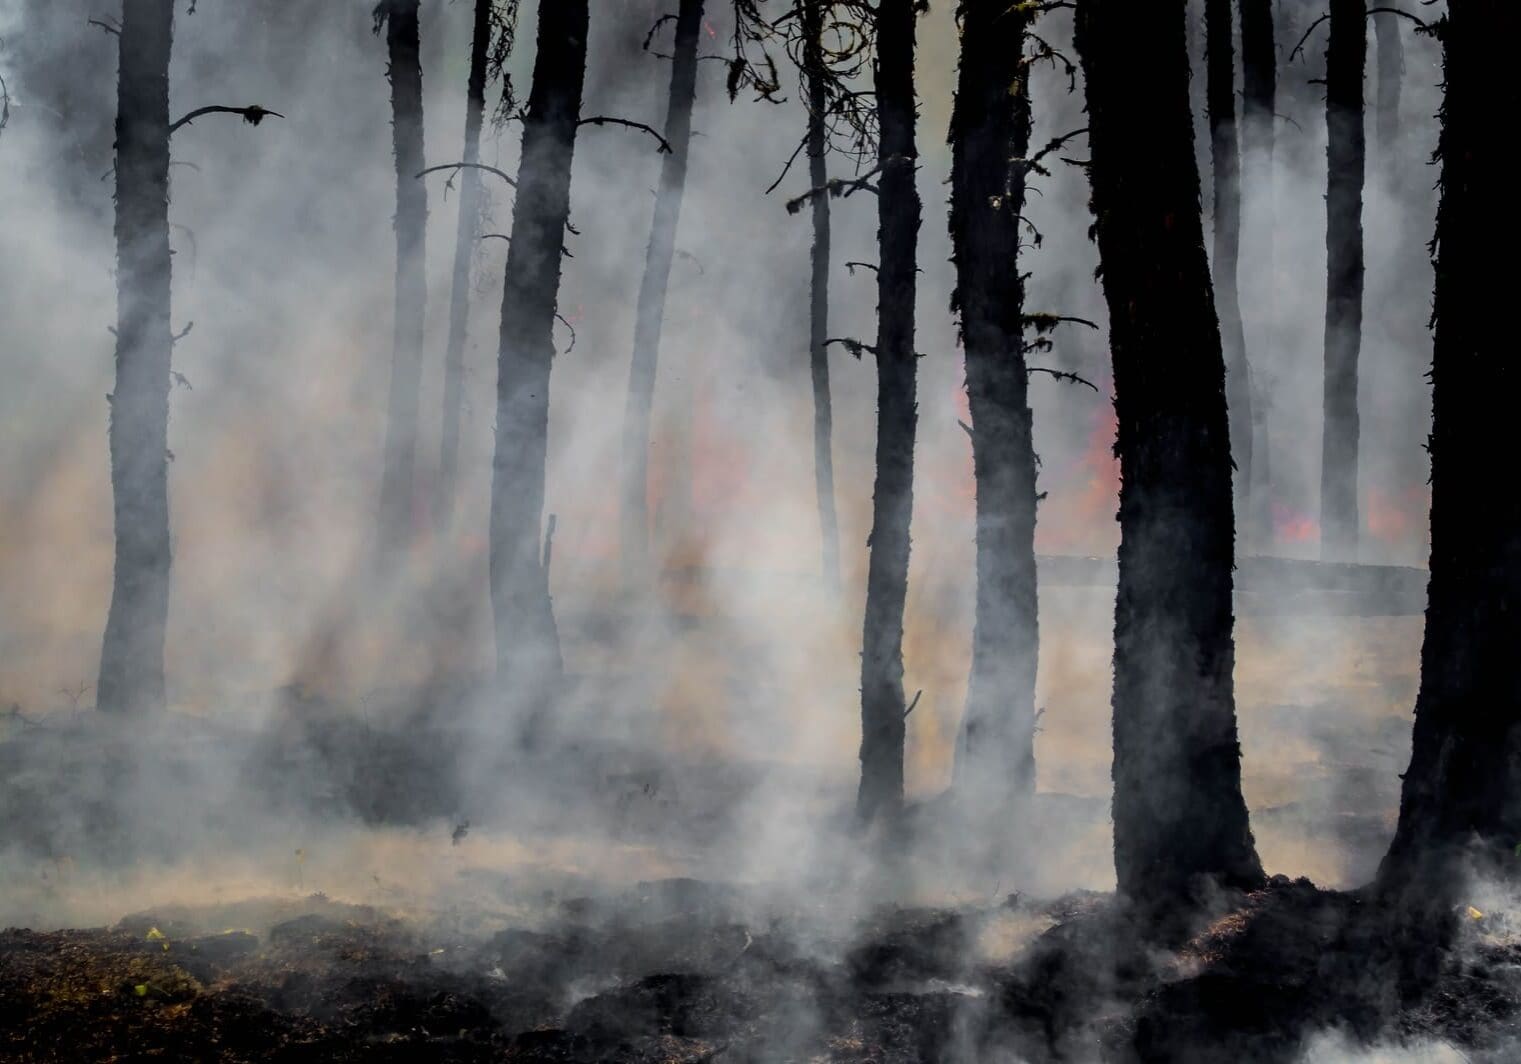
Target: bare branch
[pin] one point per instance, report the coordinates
(252, 115)
(1424, 26)
(563, 321)
(115, 31)
(456, 167)
(1305, 39)
(177, 337)
(912, 704)
(1063, 376)
(840, 187)
(604, 120)
(855, 347)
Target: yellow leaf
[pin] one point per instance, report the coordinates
(1474, 914)
(155, 935)
(141, 990)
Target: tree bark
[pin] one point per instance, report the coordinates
(1391, 78)
(1179, 817)
(1462, 791)
(1225, 160)
(882, 703)
(528, 647)
(652, 294)
(818, 304)
(1346, 63)
(411, 296)
(464, 253)
(990, 138)
(132, 654)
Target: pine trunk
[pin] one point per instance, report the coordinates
(1179, 818)
(990, 135)
(1391, 78)
(528, 647)
(818, 304)
(1346, 63)
(1259, 84)
(132, 654)
(652, 295)
(882, 703)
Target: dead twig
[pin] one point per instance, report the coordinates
(1062, 375)
(253, 115)
(912, 704)
(604, 120)
(457, 167)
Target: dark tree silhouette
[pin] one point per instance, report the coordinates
(1346, 63)
(1462, 791)
(399, 20)
(1259, 84)
(1259, 79)
(1391, 79)
(1225, 160)
(1179, 817)
(882, 704)
(652, 295)
(990, 146)
(132, 656)
(528, 647)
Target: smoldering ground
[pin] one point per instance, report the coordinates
(332, 729)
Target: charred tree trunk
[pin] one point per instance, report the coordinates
(528, 647)
(464, 254)
(1259, 79)
(1179, 817)
(882, 704)
(1225, 160)
(818, 304)
(1259, 83)
(652, 293)
(1463, 787)
(132, 654)
(1346, 63)
(990, 138)
(399, 18)
(1391, 79)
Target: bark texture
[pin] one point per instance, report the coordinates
(528, 647)
(990, 141)
(1463, 787)
(818, 301)
(652, 295)
(464, 253)
(397, 478)
(899, 216)
(1179, 817)
(1346, 154)
(132, 654)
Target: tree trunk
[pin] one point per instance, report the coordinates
(652, 293)
(990, 135)
(1391, 77)
(528, 648)
(882, 703)
(132, 654)
(405, 71)
(464, 253)
(1346, 62)
(1463, 787)
(1225, 160)
(818, 306)
(1259, 83)
(1179, 817)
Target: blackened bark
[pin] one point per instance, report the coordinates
(1259, 79)
(882, 704)
(1346, 66)
(132, 654)
(1225, 163)
(464, 253)
(405, 72)
(990, 136)
(818, 303)
(1463, 787)
(528, 647)
(1179, 817)
(1391, 78)
(652, 293)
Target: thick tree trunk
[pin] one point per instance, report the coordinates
(990, 135)
(652, 293)
(1179, 817)
(1346, 63)
(1391, 79)
(818, 304)
(1259, 83)
(528, 648)
(464, 253)
(132, 654)
(882, 703)
(1225, 164)
(405, 71)
(1463, 787)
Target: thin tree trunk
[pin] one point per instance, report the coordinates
(882, 703)
(1391, 78)
(132, 653)
(1179, 817)
(652, 293)
(1259, 83)
(1225, 160)
(1462, 791)
(528, 647)
(405, 72)
(1346, 62)
(990, 133)
(818, 306)
(464, 253)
